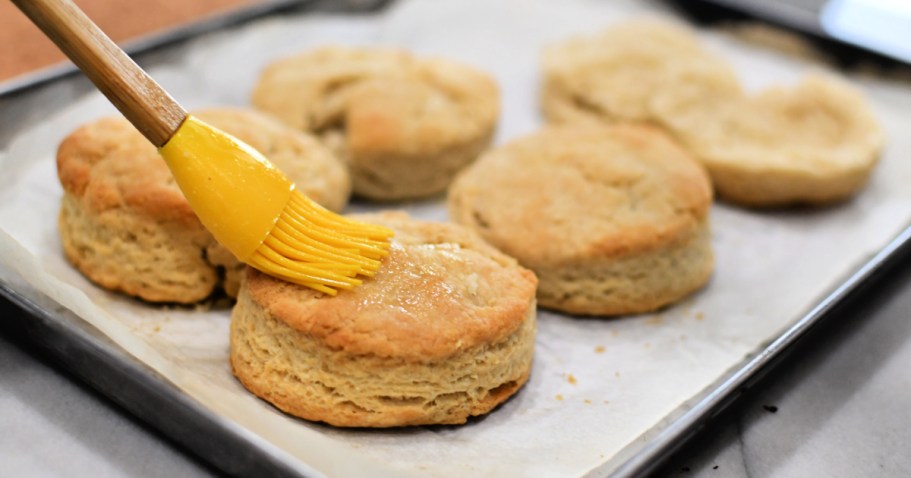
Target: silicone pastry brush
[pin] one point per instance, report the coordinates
(249, 205)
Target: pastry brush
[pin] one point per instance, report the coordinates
(247, 204)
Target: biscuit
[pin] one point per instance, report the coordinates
(444, 331)
(404, 125)
(815, 143)
(126, 226)
(614, 76)
(613, 219)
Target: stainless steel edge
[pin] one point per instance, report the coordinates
(181, 32)
(718, 397)
(786, 14)
(87, 354)
(83, 351)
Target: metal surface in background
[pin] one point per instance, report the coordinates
(210, 23)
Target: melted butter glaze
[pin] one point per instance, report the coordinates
(418, 280)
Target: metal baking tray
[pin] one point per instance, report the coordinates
(88, 355)
(209, 23)
(91, 356)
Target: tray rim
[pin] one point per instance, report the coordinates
(162, 37)
(108, 368)
(87, 353)
(733, 384)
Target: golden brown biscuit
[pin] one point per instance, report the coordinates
(445, 331)
(815, 143)
(612, 219)
(614, 76)
(404, 125)
(127, 227)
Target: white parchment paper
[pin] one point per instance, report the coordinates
(597, 384)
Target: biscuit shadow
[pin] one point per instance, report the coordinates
(216, 301)
(420, 207)
(795, 210)
(682, 303)
(408, 430)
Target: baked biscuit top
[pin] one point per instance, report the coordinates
(820, 125)
(384, 100)
(573, 192)
(616, 75)
(441, 290)
(108, 164)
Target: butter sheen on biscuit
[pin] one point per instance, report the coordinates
(445, 331)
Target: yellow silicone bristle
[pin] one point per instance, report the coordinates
(317, 248)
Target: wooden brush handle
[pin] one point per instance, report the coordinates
(151, 110)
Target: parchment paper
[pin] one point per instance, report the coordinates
(597, 384)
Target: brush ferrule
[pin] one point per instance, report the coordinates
(235, 191)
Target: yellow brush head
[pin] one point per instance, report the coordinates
(253, 210)
(312, 246)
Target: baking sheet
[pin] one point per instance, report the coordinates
(24, 50)
(597, 385)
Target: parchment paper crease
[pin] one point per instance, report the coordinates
(597, 384)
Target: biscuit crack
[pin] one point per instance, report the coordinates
(480, 220)
(584, 104)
